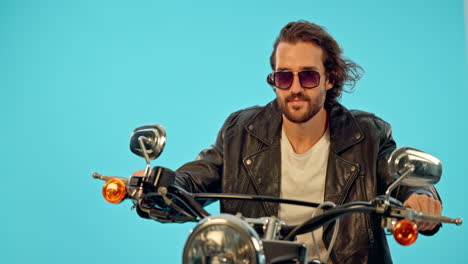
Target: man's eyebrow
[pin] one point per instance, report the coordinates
(309, 68)
(305, 68)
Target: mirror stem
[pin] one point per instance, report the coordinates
(145, 153)
(409, 170)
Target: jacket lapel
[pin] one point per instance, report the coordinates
(341, 173)
(263, 164)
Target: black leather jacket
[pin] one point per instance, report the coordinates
(246, 158)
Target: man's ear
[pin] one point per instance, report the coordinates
(328, 83)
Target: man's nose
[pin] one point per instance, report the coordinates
(296, 86)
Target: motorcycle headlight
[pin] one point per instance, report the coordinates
(223, 239)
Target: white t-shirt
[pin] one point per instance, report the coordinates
(303, 178)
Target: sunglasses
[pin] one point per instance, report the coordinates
(284, 80)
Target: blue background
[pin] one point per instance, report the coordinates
(77, 76)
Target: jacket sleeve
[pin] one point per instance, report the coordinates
(204, 174)
(402, 192)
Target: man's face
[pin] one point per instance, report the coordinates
(299, 104)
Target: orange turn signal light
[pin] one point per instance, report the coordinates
(114, 191)
(405, 232)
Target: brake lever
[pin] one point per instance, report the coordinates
(161, 215)
(415, 215)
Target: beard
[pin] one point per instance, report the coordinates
(297, 115)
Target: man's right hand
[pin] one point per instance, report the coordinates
(138, 173)
(158, 176)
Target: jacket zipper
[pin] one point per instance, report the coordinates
(367, 216)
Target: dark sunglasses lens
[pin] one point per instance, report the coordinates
(283, 80)
(309, 79)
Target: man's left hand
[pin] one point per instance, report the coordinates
(426, 204)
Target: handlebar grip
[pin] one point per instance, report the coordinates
(420, 216)
(98, 176)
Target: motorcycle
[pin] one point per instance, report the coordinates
(226, 238)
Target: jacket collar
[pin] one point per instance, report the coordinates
(344, 129)
(266, 125)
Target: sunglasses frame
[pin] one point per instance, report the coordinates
(271, 80)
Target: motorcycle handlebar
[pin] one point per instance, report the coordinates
(190, 201)
(107, 177)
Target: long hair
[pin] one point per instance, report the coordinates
(340, 71)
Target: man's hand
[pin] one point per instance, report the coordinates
(162, 177)
(426, 204)
(138, 173)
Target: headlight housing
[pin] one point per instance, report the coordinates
(223, 239)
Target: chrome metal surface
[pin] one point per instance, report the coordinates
(388, 223)
(154, 139)
(427, 168)
(272, 228)
(98, 176)
(415, 215)
(141, 140)
(233, 222)
(406, 173)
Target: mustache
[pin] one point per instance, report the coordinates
(299, 96)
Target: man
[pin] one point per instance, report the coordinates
(305, 145)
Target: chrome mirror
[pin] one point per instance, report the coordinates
(148, 142)
(412, 167)
(427, 168)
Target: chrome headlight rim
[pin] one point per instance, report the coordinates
(234, 222)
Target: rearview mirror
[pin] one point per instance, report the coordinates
(427, 169)
(148, 141)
